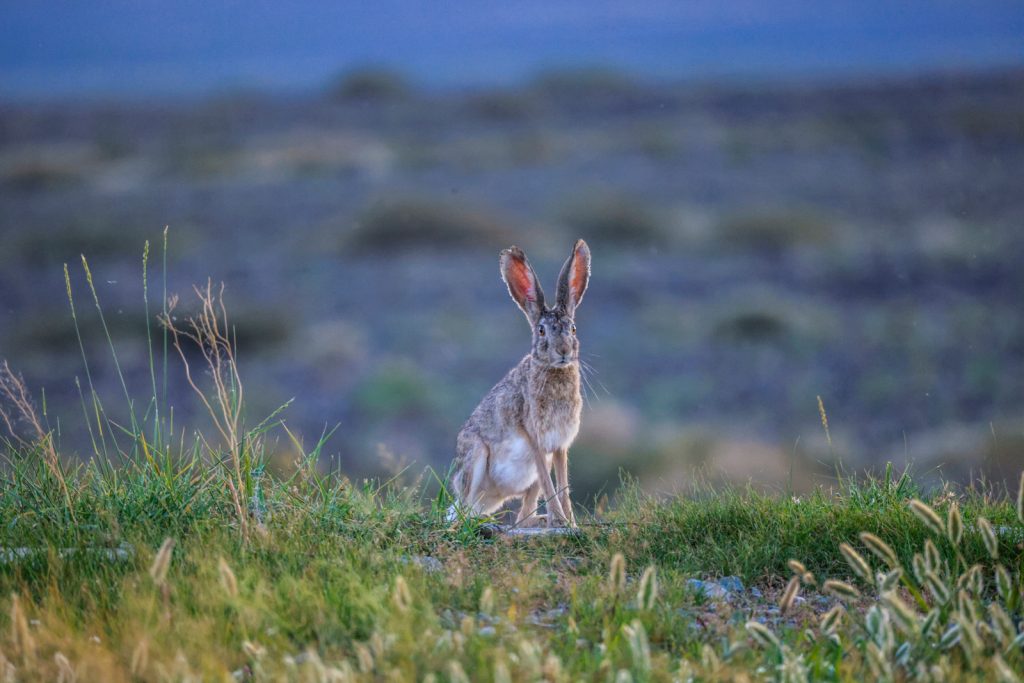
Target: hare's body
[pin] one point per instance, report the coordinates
(524, 426)
(531, 405)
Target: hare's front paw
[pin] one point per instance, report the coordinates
(534, 521)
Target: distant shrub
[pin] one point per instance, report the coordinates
(396, 390)
(584, 81)
(425, 223)
(370, 84)
(616, 219)
(99, 235)
(766, 318)
(503, 105)
(39, 175)
(776, 230)
(254, 330)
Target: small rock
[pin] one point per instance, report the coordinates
(427, 563)
(708, 589)
(731, 583)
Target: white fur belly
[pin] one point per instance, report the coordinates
(512, 467)
(554, 439)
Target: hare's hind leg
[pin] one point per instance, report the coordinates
(476, 494)
(561, 462)
(528, 515)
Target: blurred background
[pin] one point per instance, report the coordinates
(784, 201)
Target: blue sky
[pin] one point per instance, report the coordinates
(144, 47)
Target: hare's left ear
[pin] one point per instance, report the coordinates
(572, 281)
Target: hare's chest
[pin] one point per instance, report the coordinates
(556, 424)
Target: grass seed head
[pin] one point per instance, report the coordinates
(617, 574)
(928, 516)
(1003, 583)
(162, 561)
(21, 636)
(647, 595)
(954, 524)
(762, 635)
(1003, 670)
(501, 672)
(65, 672)
(902, 614)
(140, 658)
(938, 589)
(830, 621)
(1020, 499)
(919, 567)
(1002, 625)
(857, 562)
(888, 581)
(456, 674)
(253, 650)
(841, 589)
(932, 558)
(789, 595)
(227, 578)
(401, 595)
(880, 548)
(487, 600)
(797, 567)
(879, 664)
(639, 646)
(988, 535)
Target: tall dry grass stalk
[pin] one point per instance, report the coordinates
(16, 406)
(210, 331)
(162, 561)
(21, 636)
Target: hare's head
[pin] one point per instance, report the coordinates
(554, 330)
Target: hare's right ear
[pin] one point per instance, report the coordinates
(522, 283)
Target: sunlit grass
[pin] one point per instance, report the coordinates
(184, 559)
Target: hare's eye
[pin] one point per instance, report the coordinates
(573, 329)
(540, 330)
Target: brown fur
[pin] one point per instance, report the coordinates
(527, 422)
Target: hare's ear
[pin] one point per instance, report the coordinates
(522, 283)
(572, 281)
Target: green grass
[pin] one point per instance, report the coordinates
(334, 580)
(174, 558)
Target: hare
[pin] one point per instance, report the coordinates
(527, 422)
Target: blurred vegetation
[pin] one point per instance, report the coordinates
(420, 223)
(614, 219)
(776, 230)
(754, 248)
(370, 84)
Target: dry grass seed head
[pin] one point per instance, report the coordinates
(617, 574)
(21, 637)
(162, 561)
(1020, 499)
(790, 594)
(880, 548)
(928, 516)
(954, 524)
(841, 589)
(227, 578)
(65, 672)
(988, 535)
(762, 635)
(401, 596)
(797, 567)
(647, 594)
(856, 562)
